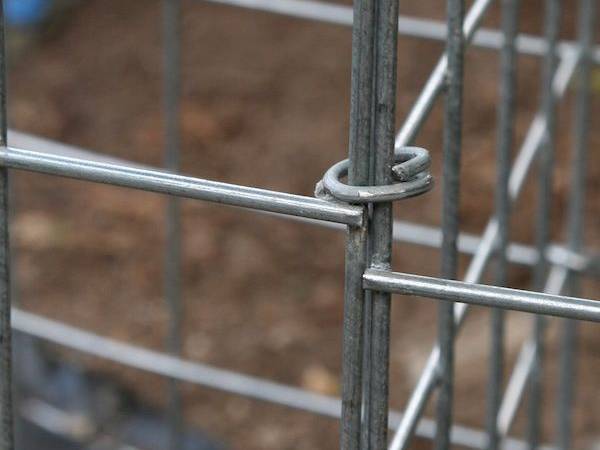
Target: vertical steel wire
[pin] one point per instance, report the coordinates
(384, 113)
(359, 150)
(575, 218)
(6, 407)
(366, 368)
(450, 215)
(353, 344)
(505, 143)
(519, 172)
(405, 136)
(543, 213)
(22, 340)
(172, 258)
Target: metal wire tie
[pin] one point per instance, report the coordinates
(410, 171)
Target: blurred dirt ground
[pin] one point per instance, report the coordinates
(265, 103)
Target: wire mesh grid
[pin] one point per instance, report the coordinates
(357, 195)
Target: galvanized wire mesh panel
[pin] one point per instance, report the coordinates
(357, 195)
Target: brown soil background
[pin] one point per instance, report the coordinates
(265, 103)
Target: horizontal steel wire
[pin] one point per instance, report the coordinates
(404, 231)
(21, 139)
(182, 186)
(161, 363)
(408, 26)
(518, 253)
(482, 295)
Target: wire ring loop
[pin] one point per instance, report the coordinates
(410, 171)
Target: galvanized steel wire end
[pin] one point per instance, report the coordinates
(410, 172)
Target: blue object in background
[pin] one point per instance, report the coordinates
(26, 12)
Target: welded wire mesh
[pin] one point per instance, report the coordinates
(358, 195)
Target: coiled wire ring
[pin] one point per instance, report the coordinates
(410, 170)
